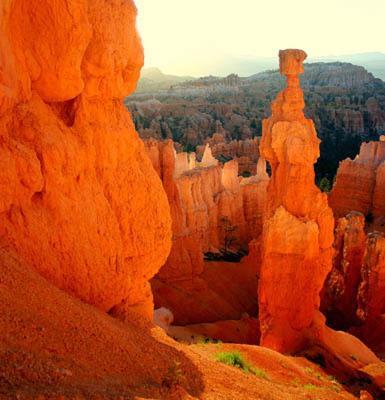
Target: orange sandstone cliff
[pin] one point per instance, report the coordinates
(353, 297)
(341, 286)
(80, 202)
(245, 152)
(360, 182)
(371, 292)
(212, 208)
(217, 213)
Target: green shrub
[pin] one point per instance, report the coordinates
(236, 359)
(325, 185)
(310, 386)
(174, 375)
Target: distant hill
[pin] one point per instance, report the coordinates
(373, 62)
(332, 74)
(320, 74)
(153, 79)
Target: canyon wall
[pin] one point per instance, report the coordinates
(358, 197)
(353, 295)
(213, 209)
(339, 296)
(80, 201)
(245, 152)
(360, 182)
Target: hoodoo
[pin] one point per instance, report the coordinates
(298, 230)
(297, 241)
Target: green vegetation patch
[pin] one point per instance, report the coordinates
(310, 386)
(236, 359)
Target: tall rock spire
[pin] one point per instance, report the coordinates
(297, 241)
(298, 230)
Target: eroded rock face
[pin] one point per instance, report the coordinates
(80, 201)
(186, 257)
(213, 211)
(371, 294)
(360, 182)
(297, 241)
(208, 160)
(212, 208)
(298, 231)
(353, 296)
(254, 196)
(341, 287)
(245, 152)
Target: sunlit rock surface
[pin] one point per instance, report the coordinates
(360, 182)
(80, 201)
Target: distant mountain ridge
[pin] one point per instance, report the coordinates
(334, 74)
(373, 62)
(155, 79)
(328, 71)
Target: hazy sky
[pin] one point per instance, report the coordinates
(180, 35)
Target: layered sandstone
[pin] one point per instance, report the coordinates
(254, 196)
(212, 208)
(84, 211)
(297, 241)
(208, 160)
(245, 152)
(359, 184)
(217, 213)
(341, 287)
(80, 202)
(371, 294)
(298, 231)
(353, 296)
(186, 257)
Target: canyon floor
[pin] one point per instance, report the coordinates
(56, 347)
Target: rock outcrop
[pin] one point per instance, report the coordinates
(215, 213)
(84, 219)
(297, 241)
(245, 152)
(186, 257)
(353, 296)
(360, 182)
(80, 201)
(254, 195)
(371, 294)
(54, 346)
(208, 160)
(298, 231)
(341, 287)
(212, 208)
